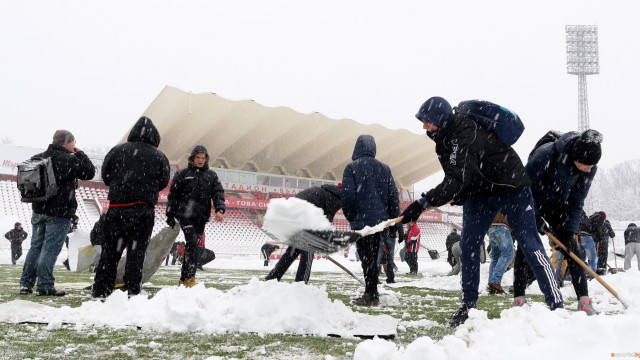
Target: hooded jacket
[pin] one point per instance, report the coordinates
(192, 191)
(136, 170)
(557, 185)
(475, 162)
(16, 236)
(326, 197)
(369, 193)
(68, 168)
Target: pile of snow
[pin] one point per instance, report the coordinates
(285, 217)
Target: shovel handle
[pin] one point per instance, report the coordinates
(585, 267)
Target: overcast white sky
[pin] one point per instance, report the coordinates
(94, 67)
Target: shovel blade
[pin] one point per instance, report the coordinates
(322, 241)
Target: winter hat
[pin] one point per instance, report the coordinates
(17, 224)
(632, 224)
(435, 110)
(62, 137)
(586, 149)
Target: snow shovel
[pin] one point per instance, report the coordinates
(327, 242)
(585, 267)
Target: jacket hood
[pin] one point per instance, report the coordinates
(144, 131)
(199, 149)
(365, 147)
(333, 189)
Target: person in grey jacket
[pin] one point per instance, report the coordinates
(631, 245)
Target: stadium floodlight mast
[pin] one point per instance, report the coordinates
(582, 60)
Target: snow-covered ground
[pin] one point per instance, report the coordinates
(532, 332)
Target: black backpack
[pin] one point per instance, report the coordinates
(504, 123)
(549, 137)
(36, 180)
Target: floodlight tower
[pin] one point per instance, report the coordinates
(582, 60)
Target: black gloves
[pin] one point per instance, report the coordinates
(412, 212)
(171, 222)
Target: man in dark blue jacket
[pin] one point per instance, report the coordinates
(325, 197)
(192, 191)
(135, 172)
(486, 176)
(561, 173)
(51, 218)
(369, 196)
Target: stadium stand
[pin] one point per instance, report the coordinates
(240, 234)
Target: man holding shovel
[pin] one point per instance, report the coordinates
(327, 198)
(561, 172)
(486, 176)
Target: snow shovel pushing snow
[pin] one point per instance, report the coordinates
(585, 267)
(327, 241)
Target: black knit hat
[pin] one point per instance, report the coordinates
(586, 149)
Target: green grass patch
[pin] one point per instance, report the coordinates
(36, 341)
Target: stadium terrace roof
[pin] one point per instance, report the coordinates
(244, 135)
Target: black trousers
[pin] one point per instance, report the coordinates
(192, 233)
(125, 227)
(289, 256)
(368, 249)
(16, 252)
(603, 253)
(412, 261)
(525, 276)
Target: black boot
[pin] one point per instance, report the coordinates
(460, 316)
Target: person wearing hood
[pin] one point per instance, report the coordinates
(369, 196)
(16, 236)
(631, 245)
(135, 172)
(561, 172)
(601, 231)
(486, 176)
(51, 218)
(192, 191)
(326, 197)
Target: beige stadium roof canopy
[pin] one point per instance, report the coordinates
(244, 135)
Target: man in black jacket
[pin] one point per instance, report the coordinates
(369, 196)
(16, 236)
(51, 218)
(193, 189)
(561, 173)
(135, 172)
(327, 198)
(601, 231)
(486, 176)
